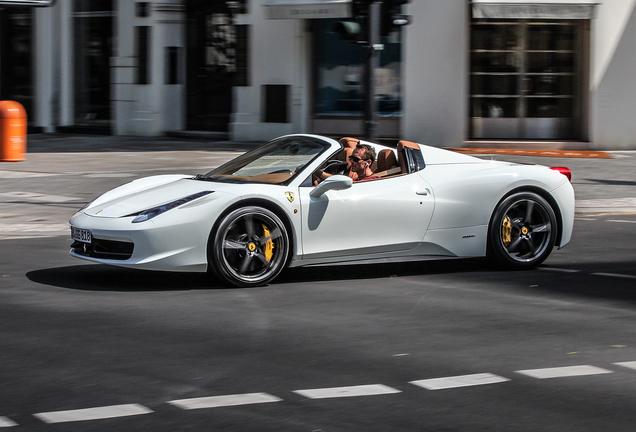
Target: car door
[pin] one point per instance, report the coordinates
(370, 217)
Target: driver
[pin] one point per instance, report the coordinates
(359, 168)
(361, 159)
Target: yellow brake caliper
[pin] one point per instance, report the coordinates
(268, 250)
(506, 231)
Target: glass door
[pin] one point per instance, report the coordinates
(526, 79)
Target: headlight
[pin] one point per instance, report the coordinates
(156, 211)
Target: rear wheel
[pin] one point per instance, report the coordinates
(249, 247)
(522, 231)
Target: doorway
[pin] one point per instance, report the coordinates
(93, 23)
(16, 56)
(211, 65)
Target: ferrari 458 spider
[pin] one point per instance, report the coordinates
(267, 209)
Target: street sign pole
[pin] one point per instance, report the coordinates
(373, 49)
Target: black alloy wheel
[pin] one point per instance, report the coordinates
(522, 231)
(250, 247)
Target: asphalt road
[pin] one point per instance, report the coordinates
(440, 346)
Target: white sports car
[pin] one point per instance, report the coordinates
(267, 209)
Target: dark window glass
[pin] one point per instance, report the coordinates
(93, 5)
(142, 48)
(172, 65)
(242, 77)
(142, 9)
(276, 103)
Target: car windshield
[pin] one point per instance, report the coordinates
(275, 162)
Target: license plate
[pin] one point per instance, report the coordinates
(80, 234)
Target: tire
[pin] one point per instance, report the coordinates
(249, 248)
(522, 231)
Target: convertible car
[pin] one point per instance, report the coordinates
(268, 209)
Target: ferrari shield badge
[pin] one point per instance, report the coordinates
(290, 196)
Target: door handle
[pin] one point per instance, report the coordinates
(422, 192)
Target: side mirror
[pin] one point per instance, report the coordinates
(336, 182)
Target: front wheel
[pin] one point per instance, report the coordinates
(522, 231)
(249, 247)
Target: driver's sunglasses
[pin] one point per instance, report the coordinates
(354, 158)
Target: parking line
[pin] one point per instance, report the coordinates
(562, 372)
(224, 401)
(5, 422)
(97, 413)
(459, 381)
(352, 391)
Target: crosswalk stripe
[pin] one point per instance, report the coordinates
(97, 413)
(351, 391)
(459, 381)
(224, 401)
(562, 372)
(629, 364)
(5, 422)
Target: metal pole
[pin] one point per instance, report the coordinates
(373, 50)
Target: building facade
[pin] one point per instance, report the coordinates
(553, 71)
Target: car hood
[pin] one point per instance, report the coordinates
(149, 192)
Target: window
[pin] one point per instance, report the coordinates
(526, 79)
(142, 49)
(276, 104)
(142, 9)
(242, 77)
(172, 65)
(340, 74)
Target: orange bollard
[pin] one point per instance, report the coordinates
(13, 128)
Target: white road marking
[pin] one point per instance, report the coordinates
(34, 228)
(36, 197)
(5, 422)
(224, 401)
(459, 381)
(562, 372)
(614, 275)
(622, 221)
(23, 174)
(97, 413)
(110, 175)
(629, 364)
(606, 202)
(561, 270)
(352, 391)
